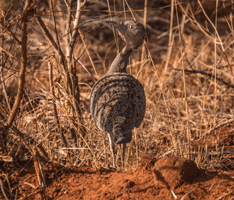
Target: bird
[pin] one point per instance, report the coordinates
(117, 100)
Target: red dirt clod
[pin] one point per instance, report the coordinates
(172, 172)
(128, 183)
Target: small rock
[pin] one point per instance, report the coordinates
(128, 183)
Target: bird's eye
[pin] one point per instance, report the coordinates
(129, 27)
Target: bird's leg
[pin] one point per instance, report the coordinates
(112, 149)
(123, 147)
(113, 155)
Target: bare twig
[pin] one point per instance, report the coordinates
(50, 66)
(80, 6)
(50, 38)
(3, 58)
(2, 188)
(4, 88)
(57, 49)
(216, 127)
(22, 69)
(187, 194)
(209, 74)
(55, 27)
(11, 33)
(71, 38)
(40, 175)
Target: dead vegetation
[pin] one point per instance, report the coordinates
(52, 52)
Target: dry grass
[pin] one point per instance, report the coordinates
(185, 67)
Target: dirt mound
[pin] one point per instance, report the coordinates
(72, 183)
(174, 171)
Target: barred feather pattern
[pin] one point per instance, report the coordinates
(117, 105)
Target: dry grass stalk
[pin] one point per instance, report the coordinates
(189, 103)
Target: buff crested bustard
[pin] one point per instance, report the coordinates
(117, 100)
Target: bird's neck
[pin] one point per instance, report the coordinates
(120, 62)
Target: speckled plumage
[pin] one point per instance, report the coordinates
(117, 104)
(117, 101)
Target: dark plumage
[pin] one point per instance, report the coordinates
(117, 101)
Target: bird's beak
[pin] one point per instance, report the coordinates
(119, 27)
(111, 23)
(116, 25)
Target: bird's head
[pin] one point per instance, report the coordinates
(132, 32)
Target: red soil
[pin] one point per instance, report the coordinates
(179, 174)
(172, 172)
(93, 183)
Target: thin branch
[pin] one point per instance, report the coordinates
(74, 87)
(75, 32)
(50, 38)
(55, 27)
(11, 33)
(216, 127)
(40, 174)
(68, 28)
(50, 66)
(3, 58)
(22, 69)
(57, 49)
(4, 89)
(209, 74)
(2, 188)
